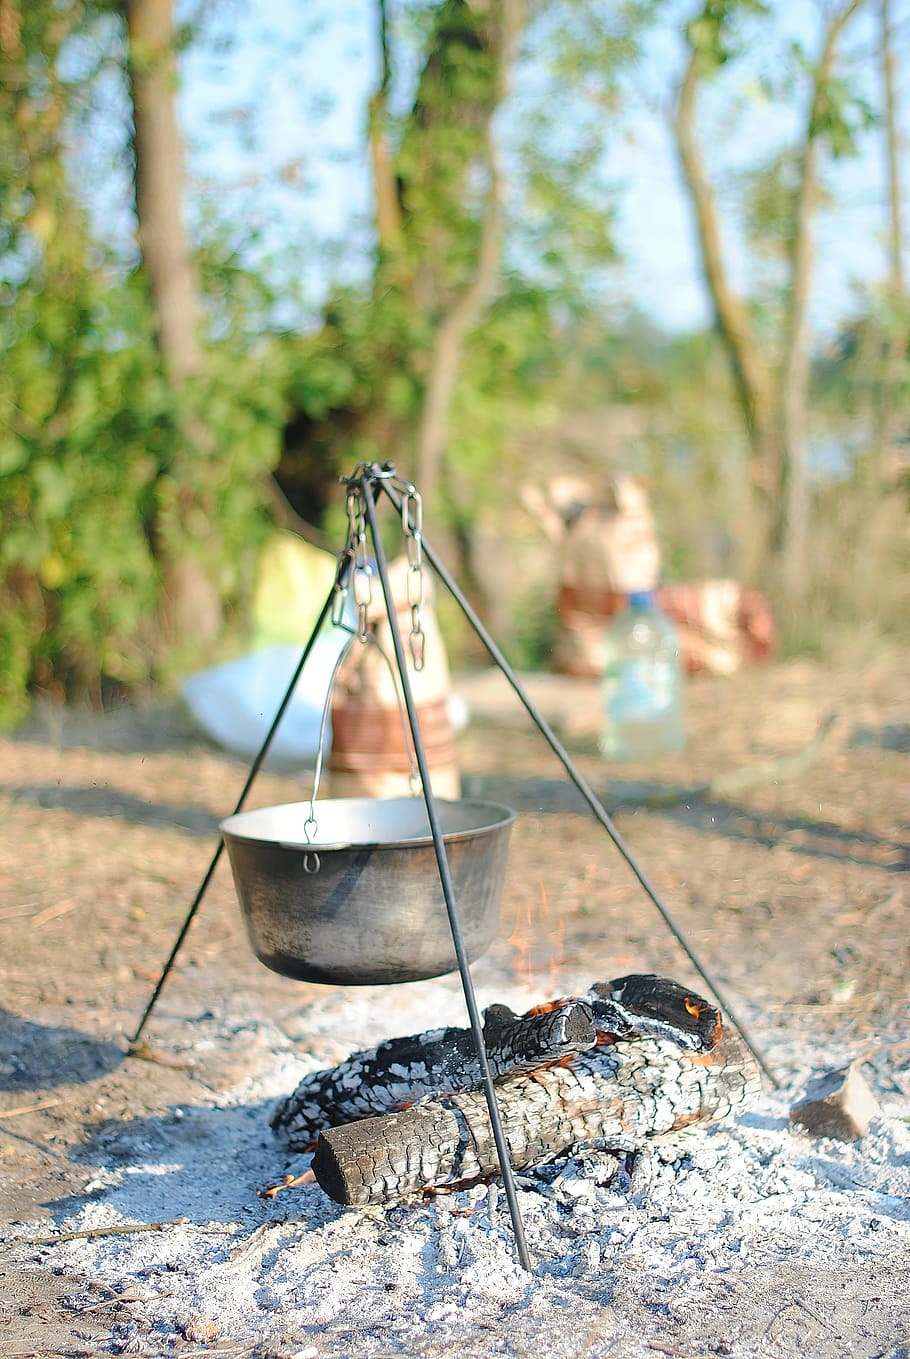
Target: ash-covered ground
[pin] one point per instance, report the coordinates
(753, 1239)
(742, 1240)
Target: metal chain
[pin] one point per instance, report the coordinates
(354, 575)
(359, 567)
(412, 524)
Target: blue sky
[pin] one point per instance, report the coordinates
(304, 68)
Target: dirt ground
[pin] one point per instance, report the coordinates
(790, 884)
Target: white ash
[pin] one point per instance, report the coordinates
(748, 1239)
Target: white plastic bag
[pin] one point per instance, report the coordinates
(235, 704)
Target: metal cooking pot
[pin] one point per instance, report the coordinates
(355, 899)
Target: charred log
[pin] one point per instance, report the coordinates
(403, 1070)
(644, 1005)
(616, 1096)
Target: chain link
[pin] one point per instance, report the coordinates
(356, 571)
(412, 524)
(354, 576)
(360, 568)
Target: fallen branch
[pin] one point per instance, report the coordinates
(53, 912)
(29, 1108)
(254, 1241)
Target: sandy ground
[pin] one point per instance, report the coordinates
(790, 884)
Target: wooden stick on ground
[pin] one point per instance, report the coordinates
(30, 1108)
(733, 782)
(116, 1229)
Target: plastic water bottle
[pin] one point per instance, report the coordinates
(642, 684)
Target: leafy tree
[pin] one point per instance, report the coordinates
(387, 362)
(94, 469)
(77, 468)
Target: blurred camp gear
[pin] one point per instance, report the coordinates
(371, 753)
(608, 548)
(235, 703)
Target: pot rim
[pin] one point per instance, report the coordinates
(232, 829)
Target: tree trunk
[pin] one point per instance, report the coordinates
(158, 145)
(467, 308)
(896, 337)
(791, 529)
(435, 476)
(751, 373)
(892, 143)
(791, 525)
(385, 189)
(453, 329)
(191, 607)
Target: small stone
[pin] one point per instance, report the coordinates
(837, 1104)
(200, 1330)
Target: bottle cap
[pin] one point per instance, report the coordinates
(641, 599)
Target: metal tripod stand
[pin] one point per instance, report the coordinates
(368, 482)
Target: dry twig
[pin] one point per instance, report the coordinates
(116, 1229)
(28, 1108)
(742, 780)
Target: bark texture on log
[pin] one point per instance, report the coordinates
(617, 1096)
(403, 1070)
(644, 1005)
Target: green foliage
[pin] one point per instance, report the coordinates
(104, 468)
(770, 204)
(87, 423)
(840, 117)
(715, 33)
(849, 374)
(105, 471)
(98, 479)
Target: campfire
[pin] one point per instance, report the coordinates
(621, 1065)
(628, 1062)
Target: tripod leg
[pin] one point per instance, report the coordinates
(254, 770)
(448, 889)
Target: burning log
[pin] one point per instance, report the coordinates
(616, 1097)
(403, 1070)
(631, 1060)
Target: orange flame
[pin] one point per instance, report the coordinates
(288, 1182)
(535, 933)
(519, 940)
